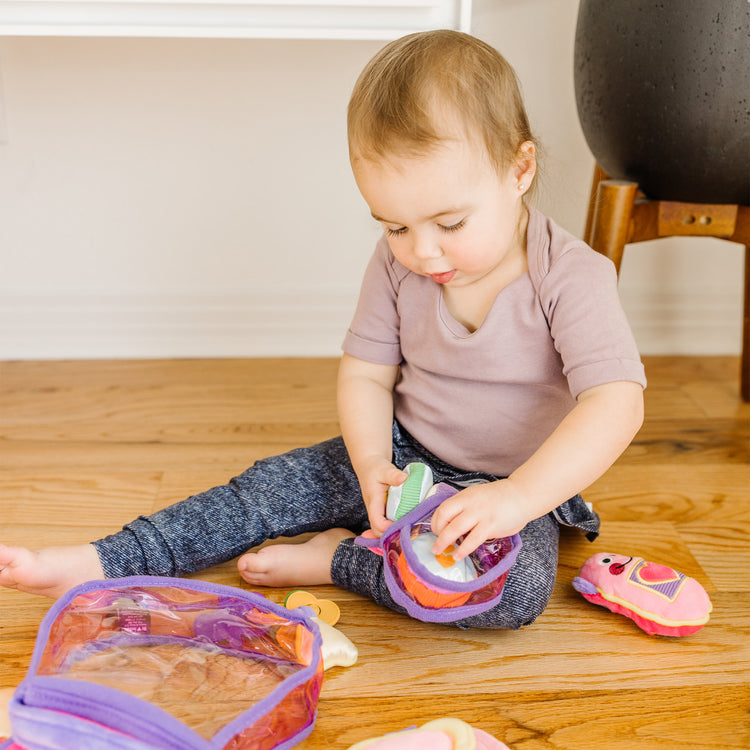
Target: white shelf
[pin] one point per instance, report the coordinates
(241, 19)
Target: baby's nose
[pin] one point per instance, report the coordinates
(426, 248)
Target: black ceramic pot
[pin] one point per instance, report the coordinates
(663, 95)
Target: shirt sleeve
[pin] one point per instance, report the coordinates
(374, 333)
(587, 323)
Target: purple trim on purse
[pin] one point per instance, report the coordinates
(494, 564)
(55, 711)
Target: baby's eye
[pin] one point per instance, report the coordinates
(453, 227)
(395, 232)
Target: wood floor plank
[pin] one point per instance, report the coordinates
(616, 719)
(44, 375)
(674, 371)
(676, 492)
(695, 399)
(52, 457)
(99, 498)
(723, 552)
(705, 440)
(39, 534)
(122, 431)
(718, 400)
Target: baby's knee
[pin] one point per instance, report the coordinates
(530, 581)
(515, 610)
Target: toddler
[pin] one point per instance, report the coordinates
(487, 343)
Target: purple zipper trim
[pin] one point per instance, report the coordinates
(136, 719)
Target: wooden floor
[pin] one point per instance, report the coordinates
(87, 446)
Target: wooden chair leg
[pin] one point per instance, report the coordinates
(610, 227)
(599, 176)
(745, 361)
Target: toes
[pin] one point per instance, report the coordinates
(253, 563)
(10, 560)
(7, 555)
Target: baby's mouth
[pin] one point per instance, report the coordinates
(443, 278)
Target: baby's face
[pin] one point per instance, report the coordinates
(449, 214)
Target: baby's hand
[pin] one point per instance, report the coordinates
(375, 477)
(480, 512)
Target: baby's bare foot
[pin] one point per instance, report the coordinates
(306, 564)
(50, 571)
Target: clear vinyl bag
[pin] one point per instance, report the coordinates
(148, 663)
(437, 588)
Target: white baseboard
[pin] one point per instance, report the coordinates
(689, 323)
(86, 326)
(293, 323)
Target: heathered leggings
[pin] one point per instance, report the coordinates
(314, 489)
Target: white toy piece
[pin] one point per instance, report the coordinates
(337, 650)
(442, 565)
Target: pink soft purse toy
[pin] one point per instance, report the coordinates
(441, 734)
(436, 588)
(659, 599)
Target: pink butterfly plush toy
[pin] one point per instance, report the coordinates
(659, 599)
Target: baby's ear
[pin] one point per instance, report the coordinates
(526, 162)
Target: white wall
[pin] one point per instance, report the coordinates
(163, 197)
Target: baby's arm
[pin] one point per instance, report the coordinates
(365, 403)
(584, 445)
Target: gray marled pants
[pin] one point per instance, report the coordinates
(314, 489)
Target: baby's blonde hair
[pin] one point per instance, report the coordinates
(417, 88)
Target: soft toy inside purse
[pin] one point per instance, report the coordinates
(160, 663)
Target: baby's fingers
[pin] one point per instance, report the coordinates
(376, 512)
(470, 542)
(445, 513)
(448, 528)
(394, 477)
